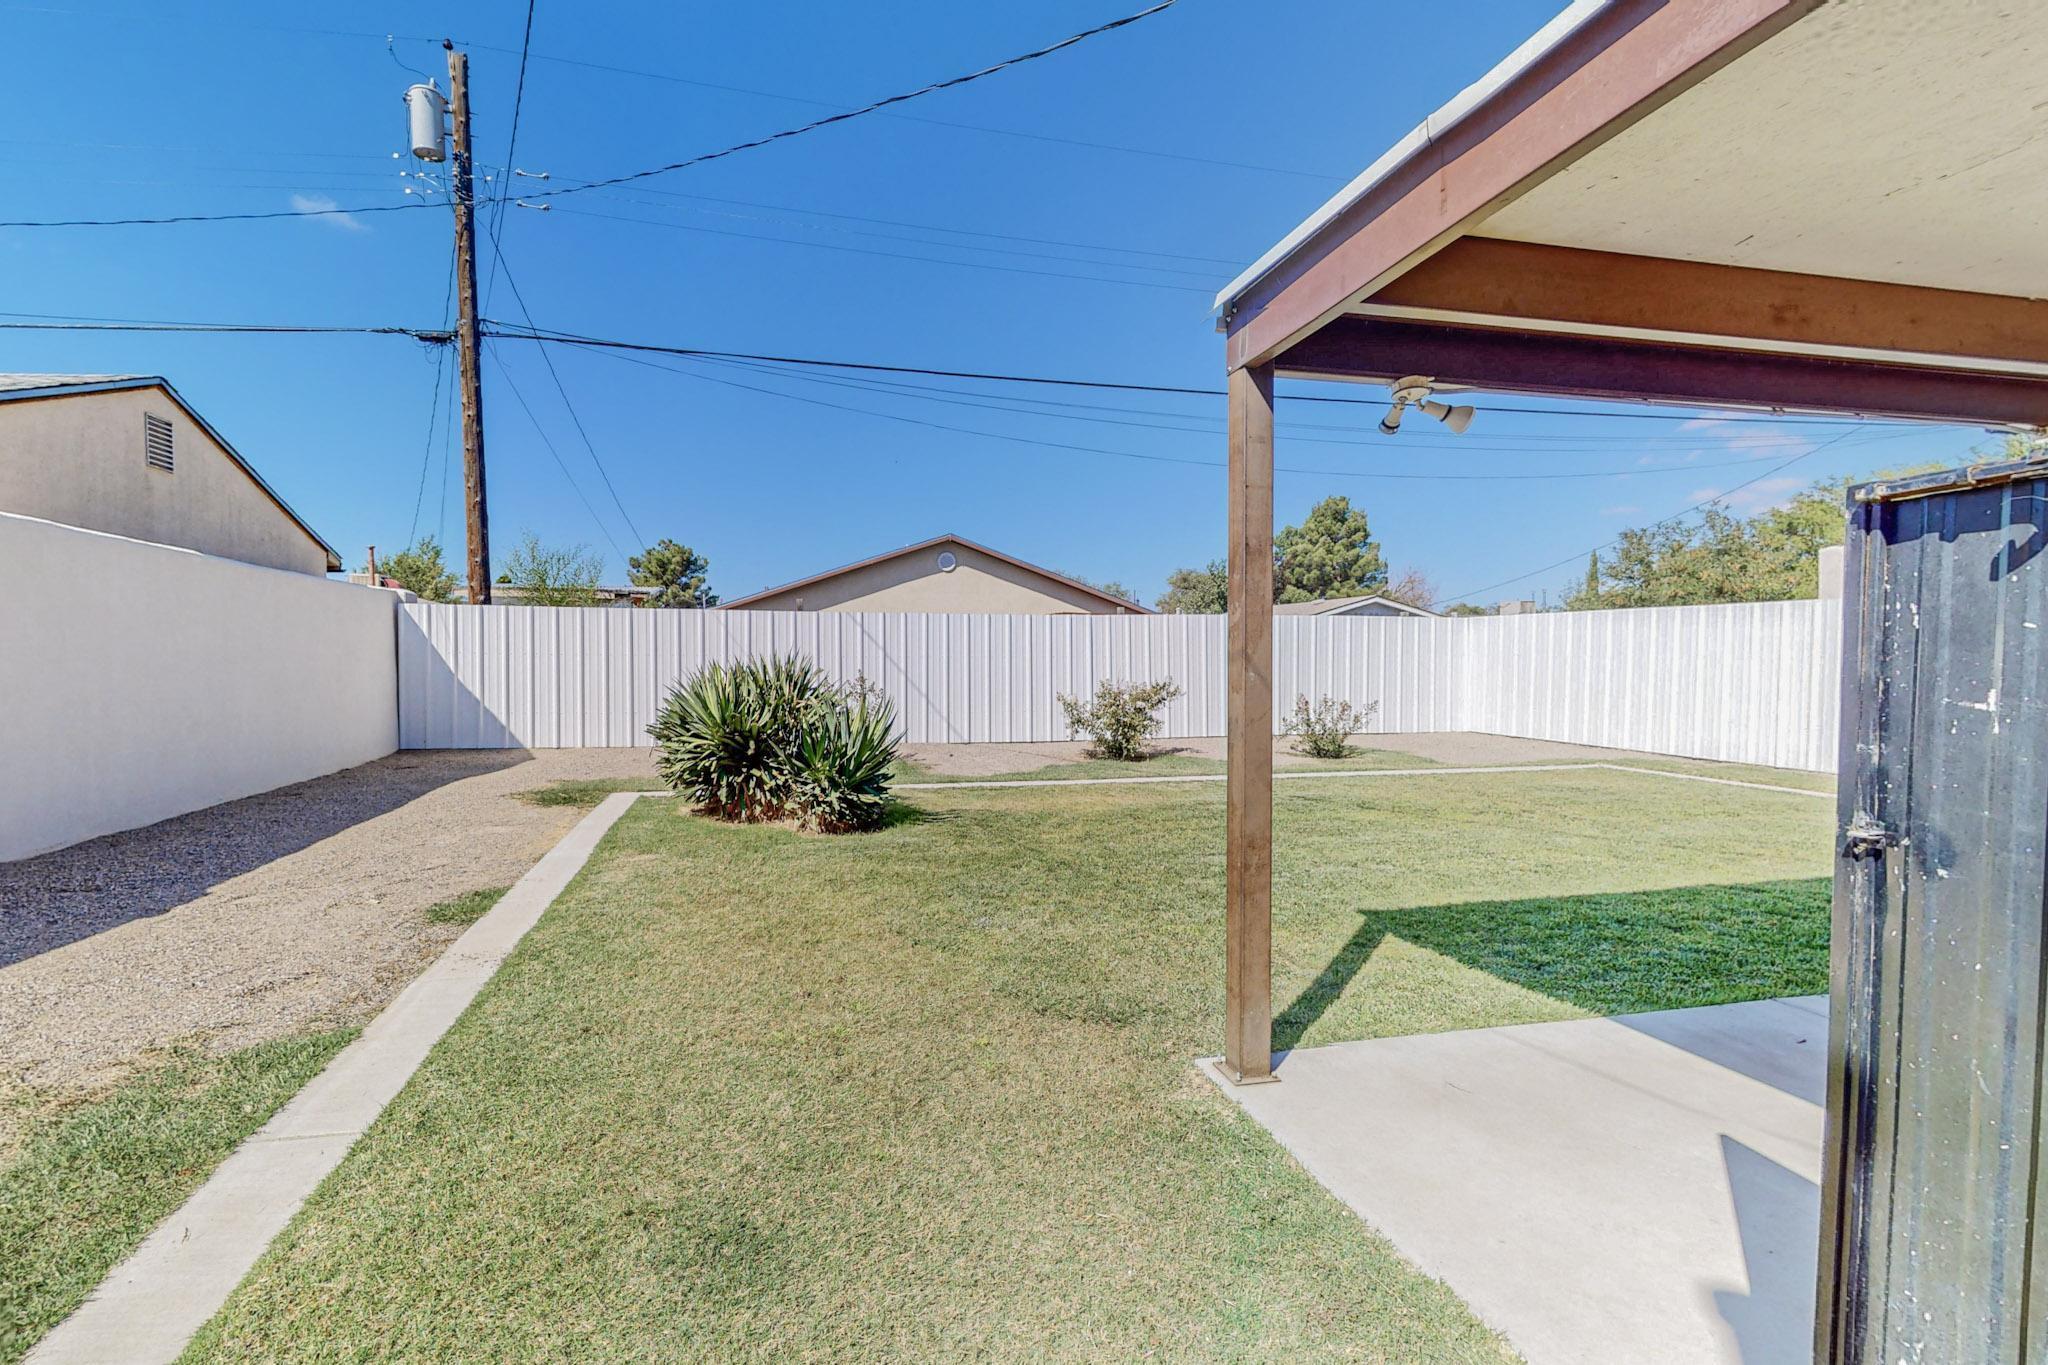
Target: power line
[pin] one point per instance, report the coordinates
(507, 331)
(419, 498)
(617, 501)
(57, 323)
(706, 353)
(1171, 459)
(511, 149)
(433, 408)
(1408, 444)
(848, 114)
(896, 255)
(1031, 405)
(904, 237)
(784, 134)
(541, 432)
(1675, 516)
(215, 217)
(447, 459)
(698, 352)
(1123, 148)
(674, 79)
(1231, 262)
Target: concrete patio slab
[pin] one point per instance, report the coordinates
(1642, 1188)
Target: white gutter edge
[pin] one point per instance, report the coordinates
(1535, 47)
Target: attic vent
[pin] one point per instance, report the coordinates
(156, 443)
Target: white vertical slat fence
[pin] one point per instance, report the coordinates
(1744, 683)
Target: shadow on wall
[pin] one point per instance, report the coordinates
(58, 898)
(1610, 953)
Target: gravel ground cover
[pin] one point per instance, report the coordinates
(258, 919)
(1458, 749)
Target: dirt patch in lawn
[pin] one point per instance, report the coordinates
(297, 909)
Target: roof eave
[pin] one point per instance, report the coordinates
(1593, 73)
(1458, 108)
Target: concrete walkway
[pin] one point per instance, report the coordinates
(147, 1309)
(1643, 1188)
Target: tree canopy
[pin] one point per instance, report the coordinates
(1203, 591)
(1331, 554)
(1773, 556)
(1412, 586)
(419, 569)
(677, 570)
(550, 576)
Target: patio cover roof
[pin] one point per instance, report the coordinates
(1650, 196)
(1830, 205)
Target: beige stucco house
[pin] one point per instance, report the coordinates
(946, 573)
(126, 455)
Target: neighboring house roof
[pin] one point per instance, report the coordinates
(511, 592)
(20, 386)
(1111, 598)
(1338, 606)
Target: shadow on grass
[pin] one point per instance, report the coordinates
(1613, 953)
(901, 813)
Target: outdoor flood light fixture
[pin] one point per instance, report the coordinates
(1414, 391)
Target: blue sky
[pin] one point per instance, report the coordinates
(903, 238)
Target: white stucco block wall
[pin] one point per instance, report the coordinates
(140, 681)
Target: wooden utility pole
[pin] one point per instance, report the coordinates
(466, 335)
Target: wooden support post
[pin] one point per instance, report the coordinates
(1248, 952)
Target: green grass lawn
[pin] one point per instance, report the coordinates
(585, 792)
(83, 1186)
(745, 1093)
(1776, 777)
(467, 908)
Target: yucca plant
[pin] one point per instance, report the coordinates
(726, 738)
(772, 739)
(843, 766)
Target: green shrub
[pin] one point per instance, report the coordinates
(1121, 717)
(773, 739)
(1325, 729)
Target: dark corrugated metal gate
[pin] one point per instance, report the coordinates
(1934, 1152)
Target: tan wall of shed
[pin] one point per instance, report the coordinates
(914, 582)
(78, 460)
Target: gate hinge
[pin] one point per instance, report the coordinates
(1865, 838)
